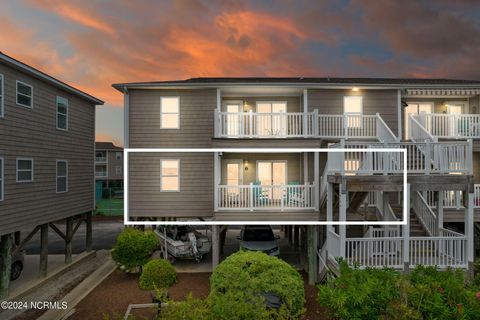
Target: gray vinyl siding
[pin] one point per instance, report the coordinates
(112, 164)
(196, 119)
(195, 198)
(330, 101)
(32, 133)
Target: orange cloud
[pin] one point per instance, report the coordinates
(103, 137)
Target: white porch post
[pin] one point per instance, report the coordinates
(305, 112)
(399, 110)
(440, 197)
(343, 217)
(329, 206)
(216, 178)
(406, 234)
(216, 123)
(305, 168)
(469, 230)
(316, 179)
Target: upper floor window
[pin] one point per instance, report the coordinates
(353, 110)
(1, 97)
(24, 170)
(62, 176)
(62, 113)
(118, 155)
(170, 175)
(1, 179)
(169, 113)
(24, 94)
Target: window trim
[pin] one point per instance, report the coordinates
(2, 179)
(57, 176)
(161, 176)
(16, 169)
(177, 113)
(57, 113)
(116, 155)
(2, 97)
(17, 93)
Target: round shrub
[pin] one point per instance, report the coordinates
(158, 273)
(133, 247)
(248, 275)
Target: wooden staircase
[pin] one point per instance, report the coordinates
(416, 227)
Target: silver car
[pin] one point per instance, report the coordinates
(259, 238)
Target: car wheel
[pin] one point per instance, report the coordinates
(16, 270)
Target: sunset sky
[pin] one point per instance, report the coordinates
(92, 44)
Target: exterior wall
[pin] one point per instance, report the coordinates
(112, 164)
(32, 133)
(330, 101)
(293, 103)
(294, 165)
(195, 198)
(196, 119)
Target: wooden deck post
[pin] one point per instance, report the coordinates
(88, 234)
(215, 246)
(312, 247)
(68, 239)
(440, 196)
(296, 237)
(290, 235)
(469, 231)
(43, 251)
(5, 264)
(17, 237)
(406, 234)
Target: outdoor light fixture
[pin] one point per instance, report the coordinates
(245, 164)
(355, 89)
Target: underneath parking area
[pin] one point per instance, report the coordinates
(288, 252)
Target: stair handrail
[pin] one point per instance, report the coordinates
(424, 213)
(384, 133)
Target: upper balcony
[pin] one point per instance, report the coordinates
(100, 157)
(450, 126)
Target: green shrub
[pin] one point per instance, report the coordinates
(190, 309)
(133, 247)
(359, 294)
(242, 278)
(158, 273)
(425, 293)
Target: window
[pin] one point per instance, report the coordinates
(62, 113)
(169, 113)
(169, 175)
(272, 119)
(1, 179)
(118, 155)
(118, 170)
(353, 109)
(24, 94)
(24, 170)
(2, 111)
(62, 176)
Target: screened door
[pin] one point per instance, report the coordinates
(271, 118)
(272, 175)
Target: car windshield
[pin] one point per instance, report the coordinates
(263, 234)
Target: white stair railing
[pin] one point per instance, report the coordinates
(418, 132)
(425, 214)
(384, 133)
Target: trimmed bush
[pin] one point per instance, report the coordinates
(189, 309)
(425, 293)
(239, 281)
(158, 273)
(133, 247)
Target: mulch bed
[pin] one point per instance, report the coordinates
(112, 297)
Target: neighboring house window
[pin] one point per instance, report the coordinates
(353, 109)
(118, 155)
(62, 113)
(24, 94)
(169, 113)
(170, 175)
(24, 170)
(1, 179)
(2, 111)
(62, 176)
(118, 170)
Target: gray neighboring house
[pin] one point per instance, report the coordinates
(108, 168)
(437, 122)
(47, 131)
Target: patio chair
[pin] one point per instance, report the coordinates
(295, 197)
(260, 196)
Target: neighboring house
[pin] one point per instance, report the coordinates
(47, 136)
(436, 120)
(108, 167)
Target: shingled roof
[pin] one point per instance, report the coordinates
(107, 146)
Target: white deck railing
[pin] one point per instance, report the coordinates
(443, 252)
(424, 213)
(100, 159)
(100, 174)
(266, 197)
(265, 125)
(453, 199)
(450, 126)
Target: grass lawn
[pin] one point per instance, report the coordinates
(112, 207)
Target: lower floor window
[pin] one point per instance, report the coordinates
(170, 175)
(24, 170)
(62, 176)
